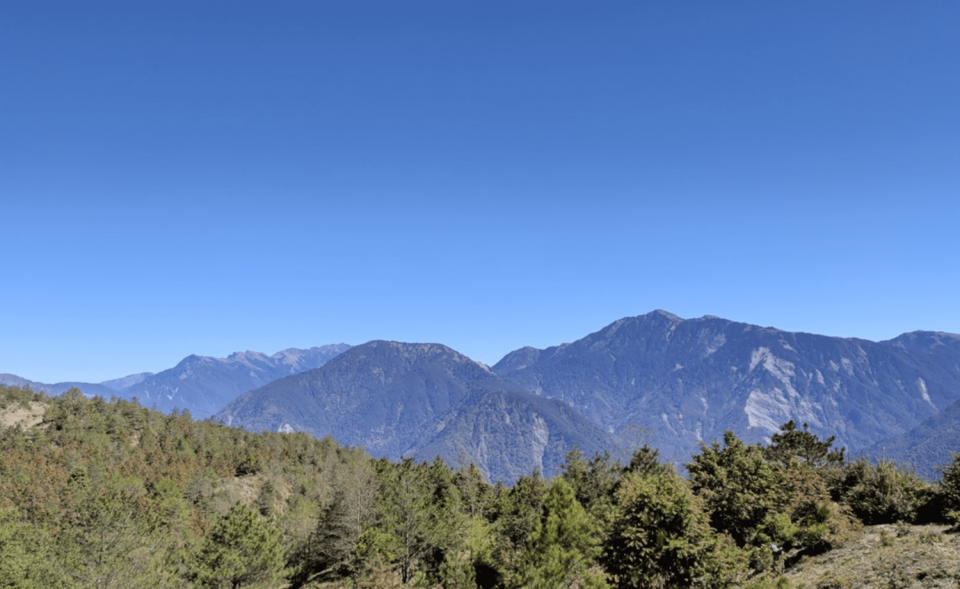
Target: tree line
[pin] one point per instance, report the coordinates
(107, 493)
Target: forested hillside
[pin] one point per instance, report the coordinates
(104, 494)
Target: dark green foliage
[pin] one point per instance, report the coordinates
(660, 538)
(410, 526)
(816, 523)
(457, 572)
(240, 550)
(563, 547)
(475, 493)
(802, 446)
(949, 489)
(881, 493)
(28, 556)
(593, 481)
(330, 548)
(516, 512)
(265, 499)
(645, 461)
(111, 537)
(127, 491)
(248, 464)
(110, 494)
(739, 488)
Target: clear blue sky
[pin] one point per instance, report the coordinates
(184, 177)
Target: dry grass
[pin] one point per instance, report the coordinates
(887, 557)
(25, 417)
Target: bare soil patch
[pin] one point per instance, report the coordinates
(25, 417)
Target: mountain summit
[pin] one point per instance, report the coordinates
(423, 400)
(686, 381)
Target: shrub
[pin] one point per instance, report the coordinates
(660, 537)
(949, 490)
(883, 493)
(739, 488)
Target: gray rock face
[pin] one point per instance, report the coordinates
(686, 381)
(423, 400)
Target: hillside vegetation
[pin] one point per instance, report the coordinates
(102, 494)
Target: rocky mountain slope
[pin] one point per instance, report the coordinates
(199, 384)
(684, 381)
(204, 385)
(423, 400)
(926, 446)
(512, 433)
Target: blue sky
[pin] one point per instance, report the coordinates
(204, 177)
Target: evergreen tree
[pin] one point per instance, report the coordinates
(110, 539)
(739, 488)
(28, 557)
(563, 547)
(660, 538)
(240, 550)
(457, 572)
(409, 527)
(330, 548)
(949, 489)
(803, 446)
(593, 481)
(646, 461)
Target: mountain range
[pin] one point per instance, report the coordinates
(201, 385)
(654, 378)
(687, 381)
(422, 400)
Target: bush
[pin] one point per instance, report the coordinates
(660, 537)
(881, 494)
(739, 488)
(949, 491)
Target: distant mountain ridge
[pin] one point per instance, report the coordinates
(928, 444)
(399, 399)
(91, 389)
(201, 385)
(671, 382)
(685, 381)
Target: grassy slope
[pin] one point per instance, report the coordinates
(886, 556)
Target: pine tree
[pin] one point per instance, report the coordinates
(409, 526)
(739, 488)
(563, 547)
(109, 538)
(27, 556)
(660, 538)
(803, 446)
(239, 550)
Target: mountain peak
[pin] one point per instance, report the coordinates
(666, 314)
